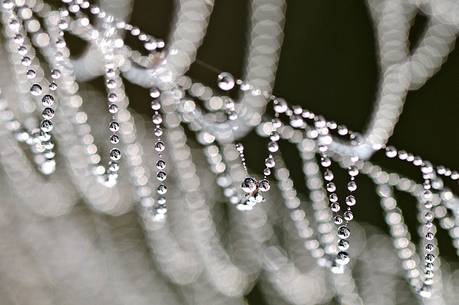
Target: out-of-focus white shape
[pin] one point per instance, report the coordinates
(400, 71)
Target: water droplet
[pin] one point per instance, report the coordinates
(263, 185)
(115, 154)
(161, 164)
(47, 100)
(269, 162)
(114, 126)
(348, 216)
(48, 113)
(161, 176)
(350, 200)
(158, 132)
(159, 146)
(31, 74)
(352, 186)
(55, 73)
(342, 258)
(225, 81)
(344, 232)
(343, 245)
(249, 185)
(162, 189)
(114, 139)
(154, 92)
(155, 105)
(36, 89)
(46, 126)
(273, 146)
(239, 147)
(113, 108)
(157, 119)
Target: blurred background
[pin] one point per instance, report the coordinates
(328, 64)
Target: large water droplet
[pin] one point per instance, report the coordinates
(225, 81)
(36, 89)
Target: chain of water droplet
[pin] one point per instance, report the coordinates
(40, 140)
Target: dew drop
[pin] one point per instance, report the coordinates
(225, 81)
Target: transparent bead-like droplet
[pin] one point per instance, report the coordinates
(113, 108)
(273, 146)
(225, 81)
(155, 93)
(325, 161)
(113, 166)
(344, 232)
(161, 164)
(275, 136)
(342, 258)
(111, 84)
(269, 162)
(26, 61)
(343, 245)
(31, 74)
(331, 187)
(263, 185)
(350, 200)
(352, 186)
(46, 126)
(335, 207)
(158, 132)
(36, 89)
(266, 172)
(160, 209)
(249, 185)
(159, 146)
(115, 154)
(391, 152)
(296, 121)
(48, 113)
(328, 175)
(157, 119)
(114, 139)
(112, 97)
(333, 197)
(155, 105)
(353, 171)
(425, 291)
(55, 74)
(280, 105)
(348, 216)
(114, 126)
(162, 189)
(239, 147)
(161, 176)
(338, 220)
(47, 100)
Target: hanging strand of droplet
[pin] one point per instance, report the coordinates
(160, 209)
(43, 146)
(109, 176)
(151, 45)
(342, 219)
(429, 229)
(250, 185)
(112, 85)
